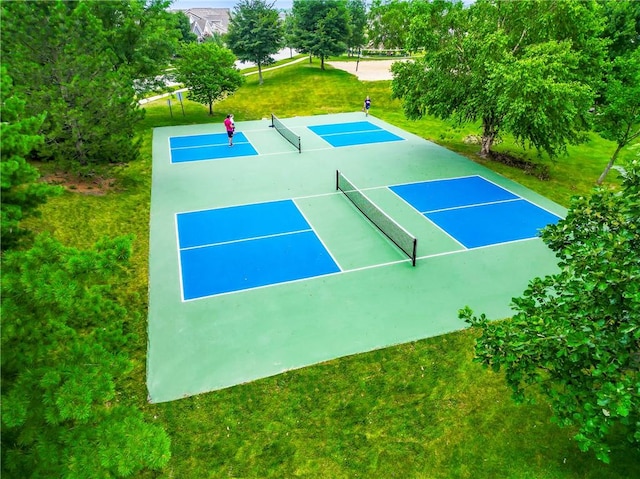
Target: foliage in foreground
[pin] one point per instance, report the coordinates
(21, 193)
(64, 349)
(576, 334)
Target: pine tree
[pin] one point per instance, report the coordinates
(21, 191)
(63, 355)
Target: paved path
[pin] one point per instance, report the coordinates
(165, 95)
(368, 70)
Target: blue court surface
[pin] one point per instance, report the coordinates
(476, 212)
(249, 246)
(214, 146)
(354, 133)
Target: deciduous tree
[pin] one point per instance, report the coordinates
(576, 334)
(321, 27)
(526, 68)
(184, 26)
(357, 24)
(142, 34)
(617, 111)
(255, 32)
(389, 22)
(208, 70)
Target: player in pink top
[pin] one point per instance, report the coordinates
(231, 127)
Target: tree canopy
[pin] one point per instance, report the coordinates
(208, 70)
(184, 26)
(576, 334)
(63, 340)
(527, 68)
(21, 191)
(389, 23)
(78, 61)
(321, 27)
(255, 33)
(357, 24)
(617, 111)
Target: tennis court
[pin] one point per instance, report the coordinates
(269, 259)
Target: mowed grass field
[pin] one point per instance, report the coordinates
(418, 410)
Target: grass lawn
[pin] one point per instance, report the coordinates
(418, 410)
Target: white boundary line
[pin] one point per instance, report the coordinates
(363, 268)
(340, 133)
(342, 270)
(175, 223)
(272, 285)
(423, 216)
(244, 240)
(211, 145)
(318, 236)
(474, 205)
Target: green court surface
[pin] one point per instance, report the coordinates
(377, 299)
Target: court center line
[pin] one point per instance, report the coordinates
(461, 207)
(209, 145)
(340, 133)
(246, 239)
(417, 182)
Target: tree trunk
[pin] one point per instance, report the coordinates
(310, 58)
(489, 134)
(259, 73)
(322, 62)
(609, 165)
(210, 108)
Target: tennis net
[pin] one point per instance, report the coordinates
(290, 136)
(392, 230)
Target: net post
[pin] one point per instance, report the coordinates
(272, 123)
(415, 254)
(385, 224)
(299, 145)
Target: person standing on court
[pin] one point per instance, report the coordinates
(230, 126)
(366, 106)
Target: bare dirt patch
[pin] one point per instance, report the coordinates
(370, 70)
(529, 167)
(96, 186)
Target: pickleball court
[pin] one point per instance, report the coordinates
(262, 260)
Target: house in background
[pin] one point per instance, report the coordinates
(206, 22)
